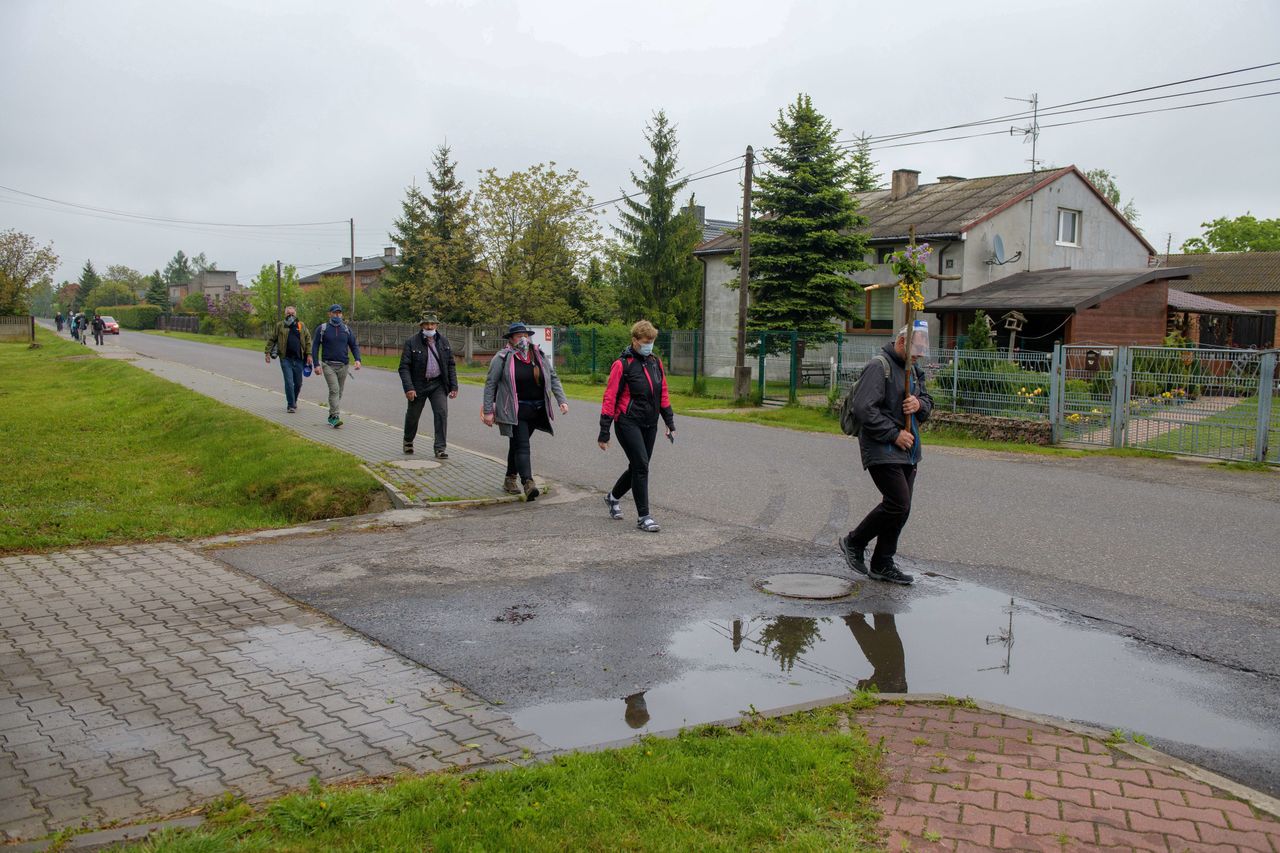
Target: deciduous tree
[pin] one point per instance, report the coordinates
(110, 293)
(806, 237)
(1242, 234)
(127, 276)
(262, 291)
(24, 263)
(659, 277)
(537, 234)
(1105, 183)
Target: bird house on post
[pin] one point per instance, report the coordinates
(1014, 321)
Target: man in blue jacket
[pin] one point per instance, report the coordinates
(329, 347)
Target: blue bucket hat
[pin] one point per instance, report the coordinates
(334, 307)
(517, 328)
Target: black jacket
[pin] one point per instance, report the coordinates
(878, 405)
(413, 363)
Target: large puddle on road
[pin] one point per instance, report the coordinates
(966, 641)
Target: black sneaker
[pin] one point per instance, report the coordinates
(855, 557)
(891, 574)
(442, 454)
(408, 448)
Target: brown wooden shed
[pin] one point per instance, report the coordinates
(1117, 307)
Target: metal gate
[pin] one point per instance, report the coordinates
(1217, 403)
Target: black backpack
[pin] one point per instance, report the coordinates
(849, 423)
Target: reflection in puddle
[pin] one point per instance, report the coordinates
(959, 642)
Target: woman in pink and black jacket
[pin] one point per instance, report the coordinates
(633, 398)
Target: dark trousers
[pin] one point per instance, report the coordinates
(519, 455)
(885, 522)
(434, 391)
(637, 442)
(97, 337)
(292, 370)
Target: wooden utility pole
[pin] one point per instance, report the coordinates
(741, 373)
(278, 293)
(352, 222)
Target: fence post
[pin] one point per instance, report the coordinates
(1266, 377)
(764, 337)
(1120, 370)
(593, 351)
(1057, 387)
(695, 357)
(795, 367)
(839, 358)
(955, 379)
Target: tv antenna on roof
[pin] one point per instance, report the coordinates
(997, 253)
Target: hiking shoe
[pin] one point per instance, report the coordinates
(511, 485)
(648, 525)
(442, 454)
(891, 574)
(408, 447)
(615, 505)
(337, 422)
(291, 409)
(333, 422)
(531, 490)
(854, 555)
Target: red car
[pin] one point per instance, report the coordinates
(110, 326)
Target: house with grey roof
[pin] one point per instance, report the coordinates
(1244, 280)
(980, 229)
(368, 270)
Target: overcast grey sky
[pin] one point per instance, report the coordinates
(243, 111)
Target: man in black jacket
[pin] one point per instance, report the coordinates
(890, 445)
(427, 372)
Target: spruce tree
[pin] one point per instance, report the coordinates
(866, 177)
(402, 281)
(89, 280)
(805, 231)
(178, 271)
(660, 278)
(157, 291)
(451, 245)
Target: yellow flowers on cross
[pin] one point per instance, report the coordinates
(910, 265)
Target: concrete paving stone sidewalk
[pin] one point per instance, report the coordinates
(138, 681)
(973, 779)
(416, 480)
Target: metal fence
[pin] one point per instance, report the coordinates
(1216, 403)
(178, 323)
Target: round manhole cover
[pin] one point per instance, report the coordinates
(806, 585)
(415, 464)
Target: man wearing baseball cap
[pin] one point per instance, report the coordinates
(427, 372)
(329, 347)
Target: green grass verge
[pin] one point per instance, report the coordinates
(385, 362)
(101, 451)
(793, 784)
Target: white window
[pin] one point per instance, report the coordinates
(1068, 227)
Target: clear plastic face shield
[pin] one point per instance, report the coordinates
(919, 338)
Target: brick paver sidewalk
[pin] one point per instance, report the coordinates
(136, 681)
(416, 480)
(972, 779)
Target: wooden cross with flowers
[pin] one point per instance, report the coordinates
(911, 267)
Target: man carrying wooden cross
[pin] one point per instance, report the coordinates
(889, 411)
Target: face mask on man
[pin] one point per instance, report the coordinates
(289, 318)
(336, 319)
(430, 333)
(646, 349)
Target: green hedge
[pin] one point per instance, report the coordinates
(132, 316)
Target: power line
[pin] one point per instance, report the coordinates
(144, 216)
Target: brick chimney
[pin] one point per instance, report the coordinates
(905, 182)
(389, 252)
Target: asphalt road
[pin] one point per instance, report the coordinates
(1179, 553)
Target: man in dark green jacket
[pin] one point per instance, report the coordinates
(292, 343)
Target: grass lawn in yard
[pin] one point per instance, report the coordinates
(1230, 433)
(101, 451)
(796, 784)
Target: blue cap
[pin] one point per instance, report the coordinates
(334, 307)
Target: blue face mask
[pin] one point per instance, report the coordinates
(336, 320)
(646, 349)
(430, 333)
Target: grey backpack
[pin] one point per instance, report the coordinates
(849, 423)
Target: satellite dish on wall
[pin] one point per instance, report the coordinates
(997, 253)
